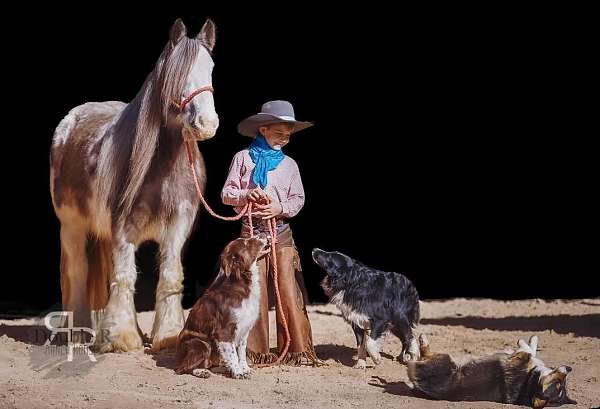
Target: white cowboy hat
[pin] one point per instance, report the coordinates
(272, 112)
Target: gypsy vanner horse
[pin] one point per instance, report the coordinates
(119, 176)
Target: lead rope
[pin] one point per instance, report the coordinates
(272, 227)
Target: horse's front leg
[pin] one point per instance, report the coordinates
(168, 318)
(118, 330)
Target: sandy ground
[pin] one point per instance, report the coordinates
(31, 376)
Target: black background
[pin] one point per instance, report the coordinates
(443, 147)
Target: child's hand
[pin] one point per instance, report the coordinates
(258, 195)
(268, 211)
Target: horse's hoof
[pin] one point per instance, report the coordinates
(166, 335)
(164, 343)
(124, 341)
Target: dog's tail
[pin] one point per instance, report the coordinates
(436, 376)
(194, 350)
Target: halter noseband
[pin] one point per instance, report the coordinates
(186, 101)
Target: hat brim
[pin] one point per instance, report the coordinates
(249, 126)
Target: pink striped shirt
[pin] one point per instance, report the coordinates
(284, 184)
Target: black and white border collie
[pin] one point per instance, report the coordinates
(373, 302)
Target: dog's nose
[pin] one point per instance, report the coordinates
(264, 238)
(315, 253)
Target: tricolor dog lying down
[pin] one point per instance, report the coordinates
(510, 377)
(217, 328)
(373, 302)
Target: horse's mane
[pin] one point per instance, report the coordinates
(136, 132)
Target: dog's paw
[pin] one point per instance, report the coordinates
(241, 375)
(533, 344)
(201, 373)
(248, 372)
(408, 357)
(376, 359)
(360, 364)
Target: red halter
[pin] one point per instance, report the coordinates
(186, 101)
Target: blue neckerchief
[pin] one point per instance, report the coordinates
(265, 159)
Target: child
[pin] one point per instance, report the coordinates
(264, 176)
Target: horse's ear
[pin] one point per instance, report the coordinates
(178, 31)
(208, 34)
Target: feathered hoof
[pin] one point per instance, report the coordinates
(124, 341)
(163, 343)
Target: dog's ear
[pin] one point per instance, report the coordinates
(247, 257)
(232, 264)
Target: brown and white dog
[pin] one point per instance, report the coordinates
(217, 328)
(517, 377)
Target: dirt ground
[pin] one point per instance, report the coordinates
(32, 376)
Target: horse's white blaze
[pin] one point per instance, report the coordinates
(202, 116)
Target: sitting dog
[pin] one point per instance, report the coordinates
(510, 377)
(373, 302)
(217, 328)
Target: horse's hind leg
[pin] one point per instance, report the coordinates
(74, 272)
(118, 328)
(168, 317)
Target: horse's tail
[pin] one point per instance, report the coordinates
(100, 265)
